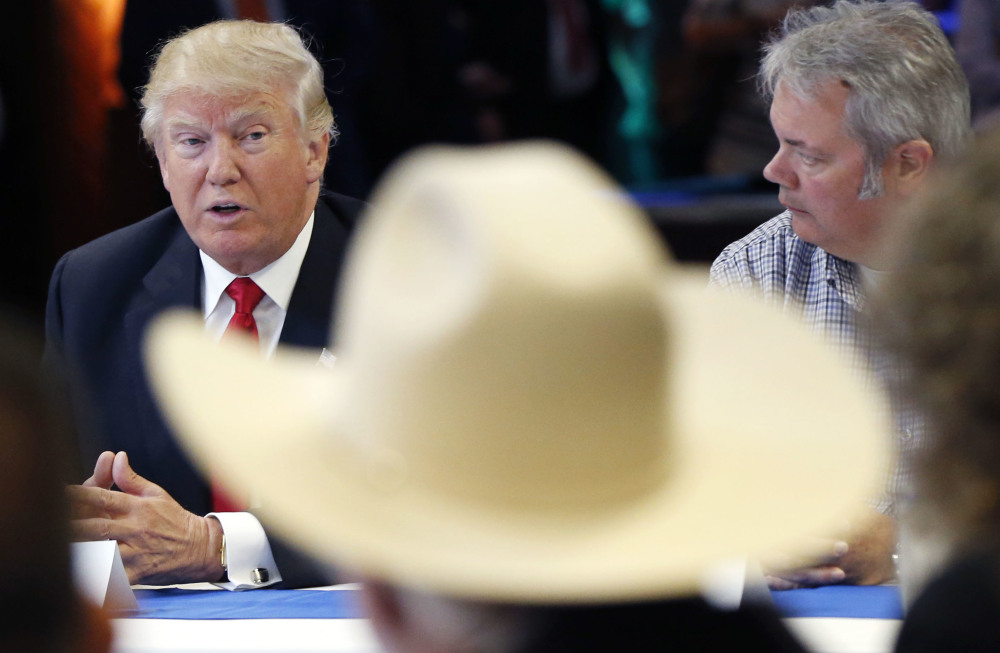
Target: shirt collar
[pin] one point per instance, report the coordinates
(276, 279)
(843, 276)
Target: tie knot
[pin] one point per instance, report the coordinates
(245, 293)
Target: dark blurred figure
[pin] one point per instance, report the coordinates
(477, 71)
(728, 115)
(540, 70)
(977, 45)
(940, 313)
(31, 143)
(414, 94)
(40, 610)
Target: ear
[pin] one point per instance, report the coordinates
(385, 611)
(381, 604)
(911, 162)
(318, 150)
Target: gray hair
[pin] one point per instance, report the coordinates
(234, 58)
(905, 83)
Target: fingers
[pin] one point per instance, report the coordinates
(806, 577)
(129, 482)
(822, 553)
(100, 528)
(90, 502)
(102, 472)
(780, 584)
(785, 572)
(92, 530)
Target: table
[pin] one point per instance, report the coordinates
(828, 620)
(214, 621)
(842, 618)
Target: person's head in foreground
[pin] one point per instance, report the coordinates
(238, 117)
(940, 312)
(864, 96)
(40, 610)
(538, 434)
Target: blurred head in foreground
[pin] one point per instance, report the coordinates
(534, 417)
(39, 608)
(940, 312)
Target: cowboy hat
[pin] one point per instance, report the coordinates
(529, 400)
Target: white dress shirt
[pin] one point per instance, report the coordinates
(247, 547)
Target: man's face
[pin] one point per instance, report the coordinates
(240, 175)
(820, 169)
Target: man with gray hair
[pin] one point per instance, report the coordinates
(865, 97)
(238, 118)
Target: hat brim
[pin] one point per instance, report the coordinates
(772, 438)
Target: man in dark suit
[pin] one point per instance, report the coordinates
(240, 124)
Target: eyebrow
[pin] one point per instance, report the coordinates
(239, 116)
(245, 114)
(802, 145)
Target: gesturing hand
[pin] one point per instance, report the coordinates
(862, 557)
(161, 543)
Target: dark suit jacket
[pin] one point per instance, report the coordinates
(958, 610)
(678, 625)
(104, 294)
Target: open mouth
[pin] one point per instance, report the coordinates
(226, 208)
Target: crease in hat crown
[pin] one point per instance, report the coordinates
(501, 323)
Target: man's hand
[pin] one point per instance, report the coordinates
(863, 557)
(102, 472)
(160, 542)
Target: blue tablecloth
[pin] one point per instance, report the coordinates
(845, 601)
(259, 604)
(838, 601)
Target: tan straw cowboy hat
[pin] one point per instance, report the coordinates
(529, 401)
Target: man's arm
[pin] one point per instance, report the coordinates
(161, 543)
(863, 557)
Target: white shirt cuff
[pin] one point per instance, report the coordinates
(250, 564)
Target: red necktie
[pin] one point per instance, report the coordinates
(247, 295)
(253, 10)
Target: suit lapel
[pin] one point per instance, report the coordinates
(174, 281)
(310, 308)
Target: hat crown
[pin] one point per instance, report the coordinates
(486, 357)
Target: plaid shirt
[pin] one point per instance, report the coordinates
(826, 292)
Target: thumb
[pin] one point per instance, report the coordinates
(128, 481)
(102, 472)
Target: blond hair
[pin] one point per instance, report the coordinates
(234, 58)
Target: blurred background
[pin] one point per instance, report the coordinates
(660, 93)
